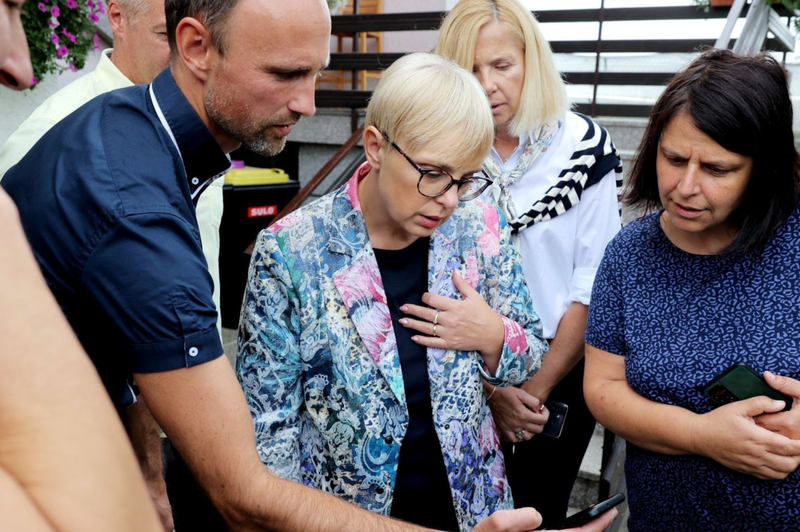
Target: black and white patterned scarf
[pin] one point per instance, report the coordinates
(594, 157)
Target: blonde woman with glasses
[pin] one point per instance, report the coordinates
(372, 316)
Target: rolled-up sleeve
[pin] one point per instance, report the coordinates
(598, 222)
(149, 282)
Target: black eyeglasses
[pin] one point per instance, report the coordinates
(434, 182)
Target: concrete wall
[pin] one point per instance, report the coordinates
(411, 41)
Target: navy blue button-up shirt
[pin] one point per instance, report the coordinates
(106, 200)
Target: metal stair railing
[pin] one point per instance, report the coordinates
(760, 20)
(388, 22)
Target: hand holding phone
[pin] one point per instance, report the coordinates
(786, 423)
(592, 512)
(739, 381)
(558, 416)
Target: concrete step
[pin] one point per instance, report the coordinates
(625, 132)
(585, 492)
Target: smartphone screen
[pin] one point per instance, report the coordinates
(590, 513)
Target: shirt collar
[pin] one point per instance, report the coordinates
(514, 154)
(108, 74)
(203, 159)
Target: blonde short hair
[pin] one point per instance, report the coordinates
(544, 96)
(426, 99)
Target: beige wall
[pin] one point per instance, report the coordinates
(18, 105)
(411, 41)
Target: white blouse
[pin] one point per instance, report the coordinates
(560, 256)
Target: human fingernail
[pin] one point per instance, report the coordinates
(404, 321)
(404, 308)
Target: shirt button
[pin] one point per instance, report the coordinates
(193, 351)
(447, 426)
(388, 440)
(195, 181)
(378, 490)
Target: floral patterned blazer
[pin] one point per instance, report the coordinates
(320, 368)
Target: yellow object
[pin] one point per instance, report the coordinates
(250, 175)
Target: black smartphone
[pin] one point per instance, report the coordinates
(590, 513)
(558, 415)
(739, 381)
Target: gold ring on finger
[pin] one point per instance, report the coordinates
(436, 318)
(434, 330)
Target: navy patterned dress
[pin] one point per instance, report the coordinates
(679, 319)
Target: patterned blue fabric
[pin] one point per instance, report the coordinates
(320, 368)
(679, 320)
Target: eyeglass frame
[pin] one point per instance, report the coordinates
(453, 180)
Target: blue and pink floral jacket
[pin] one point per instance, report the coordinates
(319, 364)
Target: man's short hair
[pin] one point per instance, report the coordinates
(212, 13)
(132, 9)
(425, 99)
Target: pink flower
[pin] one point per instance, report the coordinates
(90, 4)
(55, 11)
(71, 37)
(42, 7)
(53, 22)
(62, 51)
(54, 38)
(72, 4)
(34, 80)
(96, 41)
(72, 67)
(93, 17)
(100, 8)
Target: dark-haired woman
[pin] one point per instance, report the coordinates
(709, 278)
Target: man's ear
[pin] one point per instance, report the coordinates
(116, 19)
(194, 47)
(373, 142)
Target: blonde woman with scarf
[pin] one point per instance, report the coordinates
(555, 177)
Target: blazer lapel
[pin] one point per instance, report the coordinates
(445, 257)
(358, 281)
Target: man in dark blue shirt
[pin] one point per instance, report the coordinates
(108, 208)
(106, 198)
